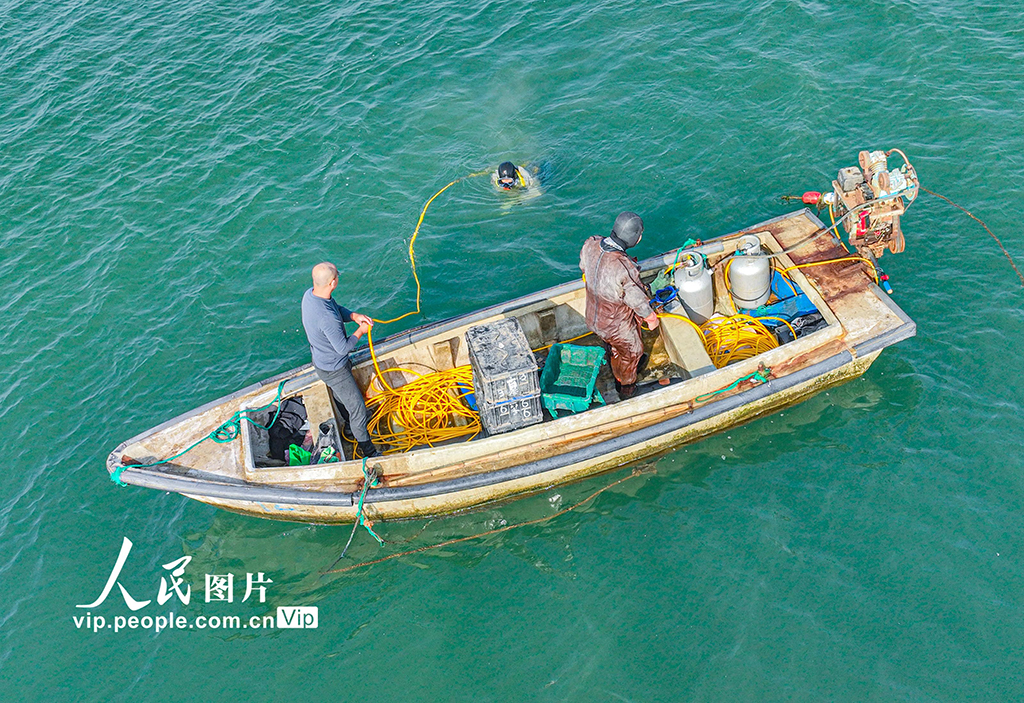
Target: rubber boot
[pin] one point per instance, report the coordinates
(369, 450)
(641, 365)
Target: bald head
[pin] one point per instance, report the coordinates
(324, 274)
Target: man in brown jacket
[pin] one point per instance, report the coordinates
(617, 300)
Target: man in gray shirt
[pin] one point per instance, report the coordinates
(324, 321)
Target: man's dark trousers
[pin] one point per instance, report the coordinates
(349, 400)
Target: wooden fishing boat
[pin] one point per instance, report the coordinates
(859, 320)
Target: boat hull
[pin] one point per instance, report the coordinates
(744, 407)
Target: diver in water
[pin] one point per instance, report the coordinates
(518, 184)
(508, 176)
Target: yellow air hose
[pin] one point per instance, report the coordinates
(734, 338)
(431, 408)
(871, 264)
(423, 411)
(412, 253)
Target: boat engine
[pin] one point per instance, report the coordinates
(870, 199)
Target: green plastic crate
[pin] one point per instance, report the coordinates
(569, 376)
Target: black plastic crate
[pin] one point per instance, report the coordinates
(504, 368)
(511, 415)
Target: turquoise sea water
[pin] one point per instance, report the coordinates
(170, 171)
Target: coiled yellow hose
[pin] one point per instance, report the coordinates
(734, 338)
(423, 411)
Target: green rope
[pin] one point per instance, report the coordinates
(115, 475)
(367, 483)
(762, 375)
(686, 245)
(227, 431)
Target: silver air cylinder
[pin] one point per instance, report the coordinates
(693, 279)
(749, 274)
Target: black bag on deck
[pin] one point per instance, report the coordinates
(287, 428)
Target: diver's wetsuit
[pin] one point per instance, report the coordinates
(616, 302)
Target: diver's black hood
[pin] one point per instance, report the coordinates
(627, 230)
(507, 170)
